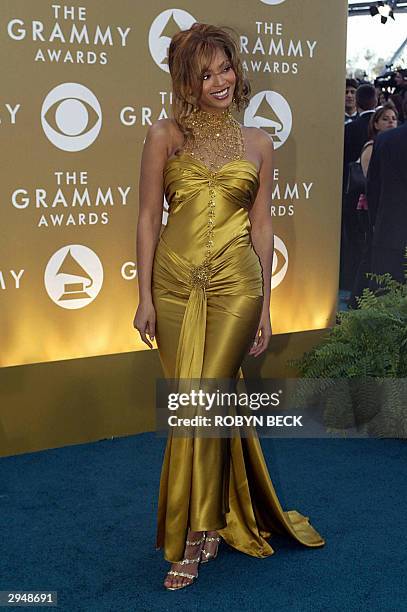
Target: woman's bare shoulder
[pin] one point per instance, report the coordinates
(368, 145)
(259, 144)
(166, 131)
(257, 137)
(161, 127)
(367, 150)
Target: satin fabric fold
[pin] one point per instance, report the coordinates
(204, 332)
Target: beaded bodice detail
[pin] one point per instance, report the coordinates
(214, 140)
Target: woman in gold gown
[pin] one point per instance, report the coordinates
(205, 293)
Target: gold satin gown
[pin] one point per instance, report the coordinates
(203, 330)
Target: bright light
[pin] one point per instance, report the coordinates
(384, 9)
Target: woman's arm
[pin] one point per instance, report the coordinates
(365, 158)
(151, 195)
(263, 238)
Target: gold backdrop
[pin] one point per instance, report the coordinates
(81, 83)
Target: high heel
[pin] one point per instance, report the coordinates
(207, 556)
(185, 561)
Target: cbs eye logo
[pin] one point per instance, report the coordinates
(272, 2)
(71, 117)
(280, 262)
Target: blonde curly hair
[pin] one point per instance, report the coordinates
(189, 56)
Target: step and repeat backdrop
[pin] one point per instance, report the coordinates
(81, 83)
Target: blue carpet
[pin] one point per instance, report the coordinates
(80, 520)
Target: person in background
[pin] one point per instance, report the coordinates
(385, 118)
(399, 96)
(382, 96)
(387, 201)
(356, 134)
(351, 112)
(400, 79)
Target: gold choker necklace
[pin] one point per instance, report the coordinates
(215, 138)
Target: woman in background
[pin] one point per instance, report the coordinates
(385, 118)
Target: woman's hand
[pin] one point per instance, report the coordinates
(144, 321)
(263, 334)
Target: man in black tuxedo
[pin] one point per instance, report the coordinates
(352, 237)
(351, 111)
(356, 131)
(387, 202)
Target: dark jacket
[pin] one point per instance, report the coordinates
(387, 189)
(356, 136)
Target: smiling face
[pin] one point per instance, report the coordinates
(218, 83)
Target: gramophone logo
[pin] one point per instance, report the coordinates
(280, 262)
(270, 110)
(73, 276)
(71, 117)
(163, 28)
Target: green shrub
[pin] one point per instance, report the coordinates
(359, 371)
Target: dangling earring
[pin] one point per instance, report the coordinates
(191, 102)
(192, 107)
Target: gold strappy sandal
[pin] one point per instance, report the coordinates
(207, 556)
(192, 577)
